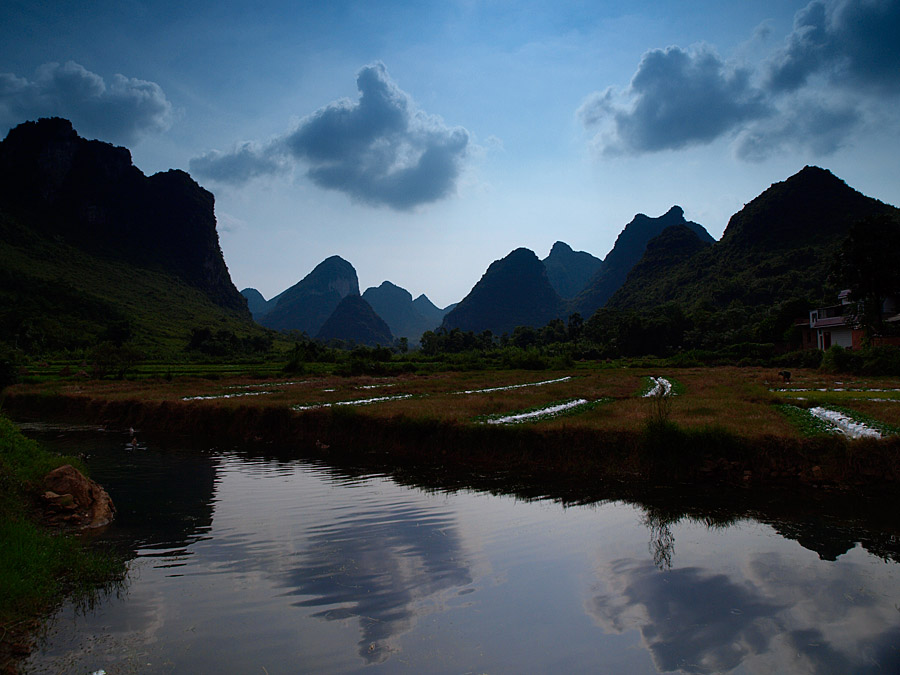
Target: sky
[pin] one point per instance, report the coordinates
(422, 140)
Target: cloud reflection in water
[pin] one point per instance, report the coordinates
(381, 570)
(818, 620)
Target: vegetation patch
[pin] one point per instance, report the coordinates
(883, 428)
(820, 420)
(843, 424)
(808, 425)
(660, 386)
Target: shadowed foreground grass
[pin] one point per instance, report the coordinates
(37, 568)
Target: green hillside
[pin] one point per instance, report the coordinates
(54, 297)
(773, 263)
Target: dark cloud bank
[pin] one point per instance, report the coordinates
(841, 59)
(379, 149)
(122, 110)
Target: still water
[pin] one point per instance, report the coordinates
(245, 563)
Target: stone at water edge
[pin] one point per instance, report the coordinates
(90, 505)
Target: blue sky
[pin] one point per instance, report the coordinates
(423, 140)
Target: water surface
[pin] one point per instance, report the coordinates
(252, 564)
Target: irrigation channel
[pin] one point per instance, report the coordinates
(243, 562)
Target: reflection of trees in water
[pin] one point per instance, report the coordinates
(379, 569)
(828, 523)
(660, 518)
(662, 541)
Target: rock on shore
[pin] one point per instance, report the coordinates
(73, 500)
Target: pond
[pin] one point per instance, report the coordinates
(247, 562)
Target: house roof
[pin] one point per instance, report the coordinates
(831, 322)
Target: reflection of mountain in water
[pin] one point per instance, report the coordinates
(380, 570)
(698, 622)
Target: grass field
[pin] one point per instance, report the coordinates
(743, 401)
(726, 422)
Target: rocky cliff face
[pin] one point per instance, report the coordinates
(89, 194)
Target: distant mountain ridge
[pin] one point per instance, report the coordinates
(256, 303)
(674, 246)
(627, 251)
(569, 271)
(430, 311)
(514, 291)
(306, 305)
(775, 256)
(396, 306)
(309, 304)
(355, 320)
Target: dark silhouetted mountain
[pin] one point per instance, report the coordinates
(628, 249)
(395, 305)
(774, 257)
(569, 271)
(812, 207)
(514, 291)
(89, 195)
(430, 311)
(92, 251)
(355, 320)
(306, 305)
(676, 245)
(256, 303)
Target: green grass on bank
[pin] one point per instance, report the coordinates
(37, 568)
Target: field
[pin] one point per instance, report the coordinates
(726, 425)
(748, 402)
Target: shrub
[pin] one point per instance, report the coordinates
(880, 361)
(804, 358)
(839, 360)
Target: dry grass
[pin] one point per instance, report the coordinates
(736, 400)
(723, 427)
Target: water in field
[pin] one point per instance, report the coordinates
(253, 564)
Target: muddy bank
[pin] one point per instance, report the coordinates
(661, 453)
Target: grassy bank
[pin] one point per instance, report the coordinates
(37, 568)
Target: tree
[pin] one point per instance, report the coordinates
(575, 326)
(867, 266)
